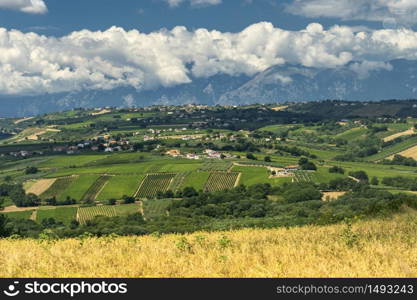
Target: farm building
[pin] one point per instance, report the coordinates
(292, 168)
(173, 153)
(192, 156)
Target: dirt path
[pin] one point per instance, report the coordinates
(353, 178)
(141, 210)
(238, 179)
(14, 208)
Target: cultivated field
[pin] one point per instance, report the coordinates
(120, 185)
(40, 186)
(85, 214)
(196, 180)
(94, 189)
(219, 181)
(154, 183)
(410, 152)
(377, 248)
(60, 214)
(58, 187)
(399, 134)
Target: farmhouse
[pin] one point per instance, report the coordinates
(173, 153)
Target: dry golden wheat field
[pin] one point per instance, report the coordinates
(377, 248)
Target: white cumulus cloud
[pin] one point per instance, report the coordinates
(35, 64)
(26, 6)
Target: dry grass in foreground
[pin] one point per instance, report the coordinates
(378, 248)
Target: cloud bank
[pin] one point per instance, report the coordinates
(26, 6)
(35, 64)
(175, 3)
(403, 11)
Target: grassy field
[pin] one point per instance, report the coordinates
(69, 160)
(255, 175)
(156, 207)
(352, 134)
(19, 214)
(58, 187)
(79, 187)
(196, 180)
(60, 214)
(377, 248)
(121, 185)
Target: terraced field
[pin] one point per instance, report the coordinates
(219, 181)
(154, 183)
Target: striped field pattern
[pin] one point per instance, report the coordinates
(85, 214)
(154, 183)
(219, 181)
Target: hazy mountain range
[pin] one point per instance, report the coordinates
(355, 81)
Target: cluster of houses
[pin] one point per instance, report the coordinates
(101, 143)
(24, 154)
(208, 153)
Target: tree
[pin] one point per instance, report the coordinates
(31, 170)
(299, 192)
(169, 194)
(336, 169)
(360, 175)
(267, 159)
(305, 164)
(189, 192)
(128, 199)
(374, 181)
(111, 202)
(251, 156)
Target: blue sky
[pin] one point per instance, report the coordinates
(150, 15)
(51, 46)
